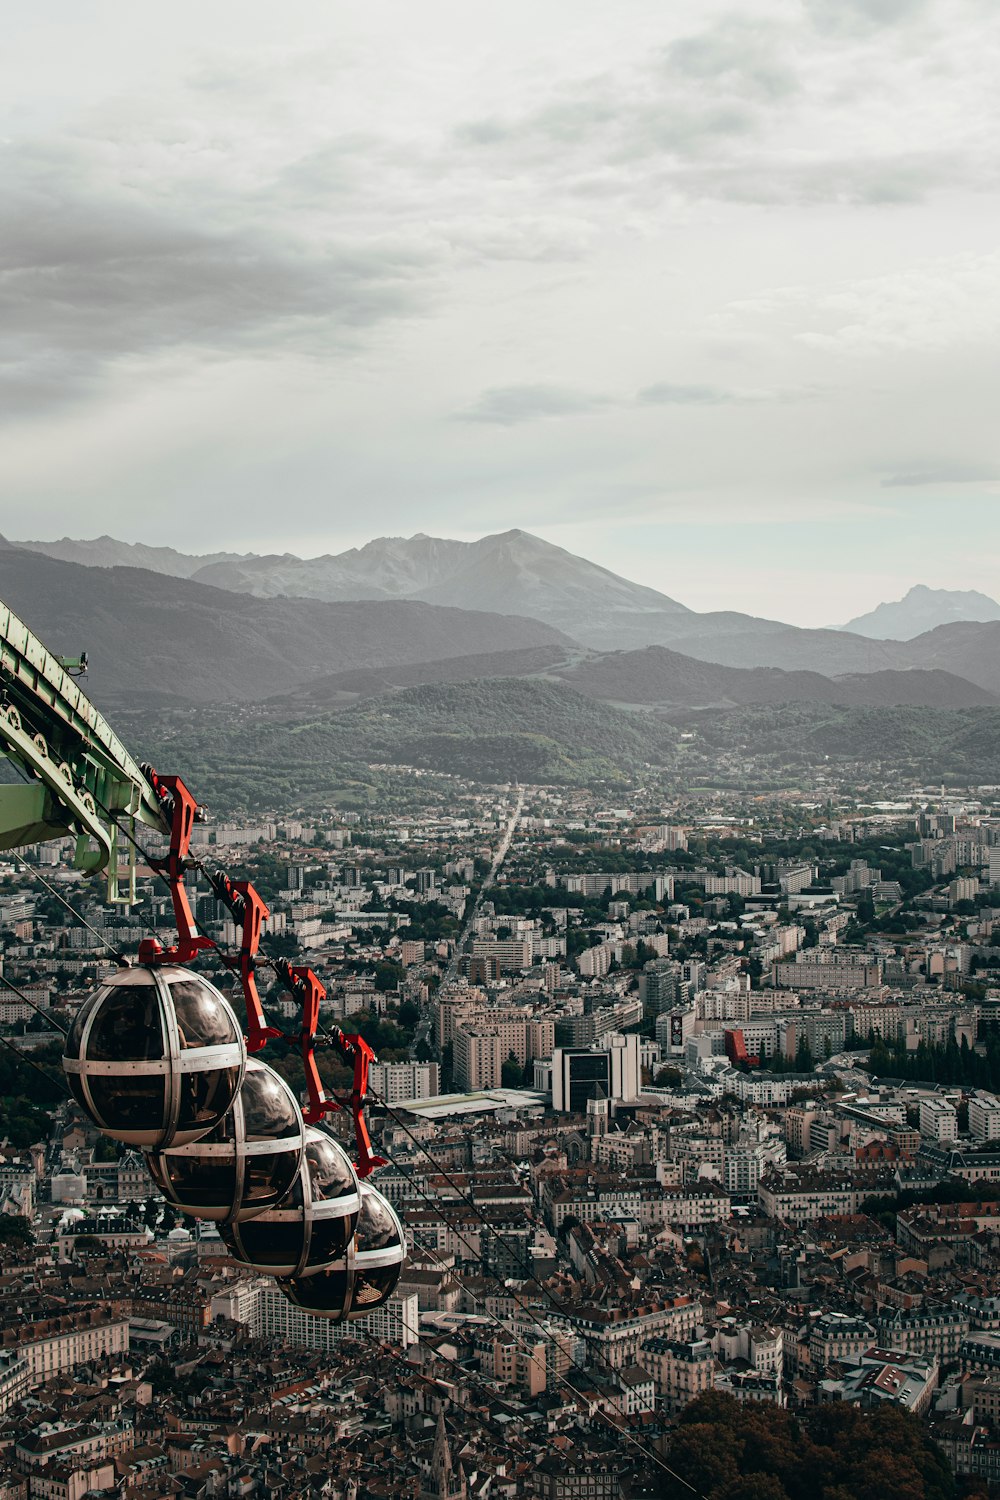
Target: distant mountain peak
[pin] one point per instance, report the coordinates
(923, 608)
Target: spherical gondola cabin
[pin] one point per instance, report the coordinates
(247, 1164)
(366, 1276)
(155, 1057)
(314, 1223)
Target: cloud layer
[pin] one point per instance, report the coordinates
(338, 274)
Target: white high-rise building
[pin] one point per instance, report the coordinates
(269, 1314)
(938, 1120)
(984, 1117)
(479, 1057)
(402, 1082)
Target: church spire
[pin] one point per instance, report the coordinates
(446, 1482)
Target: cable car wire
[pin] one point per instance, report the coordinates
(116, 954)
(512, 1249)
(38, 1009)
(521, 1338)
(623, 1432)
(23, 1057)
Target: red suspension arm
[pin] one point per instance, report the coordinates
(182, 810)
(249, 911)
(304, 984)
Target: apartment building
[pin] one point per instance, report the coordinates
(454, 1006)
(681, 1370)
(800, 1198)
(685, 1208)
(58, 1345)
(259, 1305)
(837, 1336)
(510, 954)
(400, 1083)
(828, 970)
(478, 1059)
(520, 1365)
(595, 962)
(15, 1378)
(938, 1120)
(72, 1443)
(984, 1117)
(937, 1330)
(589, 1201)
(615, 1335)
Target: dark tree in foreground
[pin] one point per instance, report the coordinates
(15, 1230)
(729, 1451)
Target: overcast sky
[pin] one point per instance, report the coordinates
(710, 294)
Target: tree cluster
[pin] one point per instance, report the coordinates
(726, 1450)
(25, 1098)
(933, 1063)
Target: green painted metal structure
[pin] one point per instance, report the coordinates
(78, 779)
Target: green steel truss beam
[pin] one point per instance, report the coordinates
(81, 779)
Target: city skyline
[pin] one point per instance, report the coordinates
(708, 298)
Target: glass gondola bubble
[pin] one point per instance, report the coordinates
(377, 1255)
(247, 1164)
(155, 1057)
(313, 1225)
(366, 1276)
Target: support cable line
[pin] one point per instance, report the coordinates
(623, 1432)
(118, 956)
(38, 1009)
(24, 1058)
(512, 1249)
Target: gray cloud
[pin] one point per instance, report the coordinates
(509, 405)
(739, 56)
(898, 178)
(92, 273)
(851, 16)
(620, 129)
(665, 394)
(946, 473)
(798, 110)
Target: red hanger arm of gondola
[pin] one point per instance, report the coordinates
(181, 809)
(354, 1050)
(249, 911)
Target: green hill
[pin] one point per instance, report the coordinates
(491, 731)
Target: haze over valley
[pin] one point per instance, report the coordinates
(490, 658)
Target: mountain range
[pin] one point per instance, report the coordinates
(516, 573)
(166, 637)
(654, 677)
(152, 636)
(510, 573)
(456, 660)
(923, 609)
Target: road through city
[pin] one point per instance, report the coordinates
(424, 1032)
